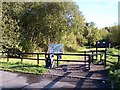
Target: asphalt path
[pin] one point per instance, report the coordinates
(55, 78)
(12, 80)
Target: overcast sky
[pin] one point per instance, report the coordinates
(102, 12)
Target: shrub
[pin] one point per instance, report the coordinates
(114, 75)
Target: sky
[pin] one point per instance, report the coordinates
(103, 13)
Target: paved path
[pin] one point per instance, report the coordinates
(66, 76)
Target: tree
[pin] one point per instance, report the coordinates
(28, 25)
(52, 19)
(114, 34)
(93, 34)
(10, 24)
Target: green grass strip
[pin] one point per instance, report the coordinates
(23, 67)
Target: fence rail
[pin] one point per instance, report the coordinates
(88, 56)
(114, 55)
(21, 56)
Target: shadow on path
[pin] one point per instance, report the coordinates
(81, 81)
(102, 83)
(51, 84)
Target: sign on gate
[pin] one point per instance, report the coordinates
(103, 44)
(55, 48)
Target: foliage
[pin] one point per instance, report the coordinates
(113, 59)
(23, 67)
(10, 24)
(114, 72)
(114, 34)
(30, 25)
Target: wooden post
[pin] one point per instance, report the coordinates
(89, 61)
(92, 57)
(57, 61)
(38, 58)
(96, 53)
(101, 57)
(85, 57)
(45, 56)
(46, 59)
(105, 58)
(118, 59)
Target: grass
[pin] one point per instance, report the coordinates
(23, 67)
(14, 60)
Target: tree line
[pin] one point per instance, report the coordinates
(29, 26)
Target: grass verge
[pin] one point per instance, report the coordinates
(23, 67)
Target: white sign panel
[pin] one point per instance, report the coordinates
(55, 48)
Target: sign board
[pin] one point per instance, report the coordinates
(55, 48)
(103, 44)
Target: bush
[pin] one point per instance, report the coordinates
(114, 75)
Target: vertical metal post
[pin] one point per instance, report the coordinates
(38, 58)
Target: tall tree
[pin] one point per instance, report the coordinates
(10, 23)
(28, 25)
(114, 34)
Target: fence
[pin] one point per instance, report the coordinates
(21, 56)
(106, 55)
(87, 57)
(114, 55)
(96, 53)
